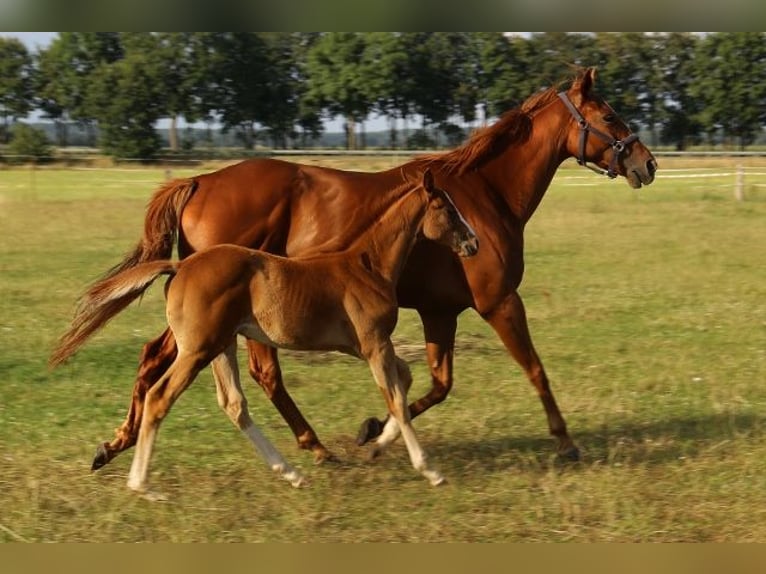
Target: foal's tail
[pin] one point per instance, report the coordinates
(163, 215)
(104, 300)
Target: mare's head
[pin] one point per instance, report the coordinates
(443, 222)
(598, 135)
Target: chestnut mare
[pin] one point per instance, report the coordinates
(341, 301)
(497, 179)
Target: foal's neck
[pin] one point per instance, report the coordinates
(393, 236)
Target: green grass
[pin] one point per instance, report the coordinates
(648, 308)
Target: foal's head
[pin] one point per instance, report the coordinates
(443, 222)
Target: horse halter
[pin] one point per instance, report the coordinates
(618, 146)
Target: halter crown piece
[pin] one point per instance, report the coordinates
(618, 146)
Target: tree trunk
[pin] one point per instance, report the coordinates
(392, 139)
(173, 134)
(350, 133)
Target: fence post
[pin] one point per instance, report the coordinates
(739, 186)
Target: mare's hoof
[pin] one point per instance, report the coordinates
(323, 456)
(571, 454)
(370, 429)
(102, 457)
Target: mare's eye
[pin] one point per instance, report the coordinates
(609, 118)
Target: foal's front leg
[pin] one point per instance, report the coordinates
(383, 364)
(439, 330)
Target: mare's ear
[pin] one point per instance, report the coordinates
(582, 86)
(428, 182)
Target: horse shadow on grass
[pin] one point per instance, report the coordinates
(629, 442)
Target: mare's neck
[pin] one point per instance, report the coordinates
(523, 172)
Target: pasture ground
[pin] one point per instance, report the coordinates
(648, 308)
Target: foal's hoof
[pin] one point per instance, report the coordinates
(102, 457)
(370, 429)
(571, 454)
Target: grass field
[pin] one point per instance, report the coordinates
(648, 308)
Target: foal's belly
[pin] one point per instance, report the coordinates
(332, 336)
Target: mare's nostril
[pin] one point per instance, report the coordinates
(651, 166)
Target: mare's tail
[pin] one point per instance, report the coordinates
(103, 300)
(163, 214)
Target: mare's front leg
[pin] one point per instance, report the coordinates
(439, 330)
(232, 400)
(264, 368)
(509, 320)
(385, 366)
(156, 356)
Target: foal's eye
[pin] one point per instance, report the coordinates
(609, 118)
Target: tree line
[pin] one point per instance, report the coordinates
(277, 88)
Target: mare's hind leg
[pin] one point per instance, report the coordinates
(510, 322)
(264, 368)
(384, 367)
(439, 330)
(157, 404)
(156, 357)
(233, 402)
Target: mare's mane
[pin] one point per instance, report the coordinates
(513, 127)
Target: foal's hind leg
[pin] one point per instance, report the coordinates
(156, 357)
(510, 322)
(264, 368)
(233, 402)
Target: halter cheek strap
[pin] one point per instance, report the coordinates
(618, 146)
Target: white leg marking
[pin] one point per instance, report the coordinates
(233, 402)
(384, 370)
(390, 434)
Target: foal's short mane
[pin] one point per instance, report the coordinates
(513, 127)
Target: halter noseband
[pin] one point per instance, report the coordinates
(618, 146)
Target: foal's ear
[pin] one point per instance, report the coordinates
(428, 182)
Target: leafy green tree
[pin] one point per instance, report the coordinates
(16, 82)
(628, 77)
(29, 142)
(309, 112)
(64, 78)
(391, 80)
(554, 56)
(445, 66)
(240, 73)
(730, 84)
(286, 87)
(128, 97)
(674, 58)
(180, 69)
(503, 72)
(338, 78)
